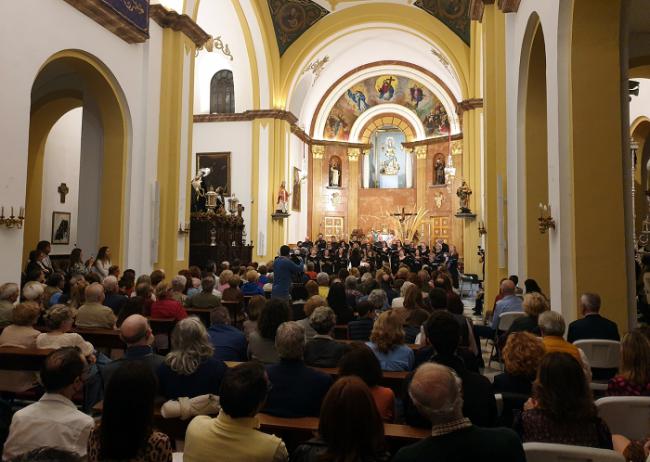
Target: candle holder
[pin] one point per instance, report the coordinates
(12, 221)
(546, 221)
(481, 229)
(211, 200)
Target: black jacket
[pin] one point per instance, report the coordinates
(593, 326)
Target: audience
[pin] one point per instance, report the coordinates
(323, 281)
(551, 324)
(190, 368)
(53, 421)
(362, 362)
(592, 325)
(361, 328)
(349, 429)
(179, 286)
(337, 301)
(59, 320)
(253, 310)
(112, 297)
(229, 342)
(562, 409)
(93, 313)
(508, 304)
(533, 304)
(437, 393)
(102, 262)
(206, 298)
(387, 343)
(165, 306)
(298, 390)
(251, 286)
(308, 308)
(8, 297)
(20, 333)
(233, 435)
(125, 431)
(322, 350)
(522, 355)
(261, 343)
(633, 378)
(134, 305)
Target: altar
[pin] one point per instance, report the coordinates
(218, 237)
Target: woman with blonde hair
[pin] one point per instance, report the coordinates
(633, 377)
(20, 333)
(59, 319)
(534, 304)
(387, 343)
(190, 369)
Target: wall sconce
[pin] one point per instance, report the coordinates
(481, 229)
(545, 219)
(12, 221)
(184, 228)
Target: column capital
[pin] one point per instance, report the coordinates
(456, 148)
(421, 152)
(317, 151)
(353, 154)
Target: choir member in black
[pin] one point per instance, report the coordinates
(314, 258)
(307, 243)
(355, 257)
(327, 262)
(417, 260)
(452, 265)
(341, 260)
(320, 242)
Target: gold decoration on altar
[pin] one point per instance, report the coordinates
(456, 148)
(317, 151)
(421, 152)
(353, 154)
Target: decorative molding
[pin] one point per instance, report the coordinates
(128, 19)
(277, 114)
(476, 9)
(469, 104)
(509, 6)
(213, 44)
(316, 67)
(353, 154)
(317, 151)
(179, 22)
(420, 152)
(430, 141)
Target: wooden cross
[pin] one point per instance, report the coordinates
(402, 215)
(63, 191)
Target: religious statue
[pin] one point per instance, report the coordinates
(464, 193)
(437, 199)
(439, 168)
(390, 166)
(198, 190)
(335, 172)
(282, 200)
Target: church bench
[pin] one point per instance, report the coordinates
(412, 346)
(101, 338)
(202, 313)
(22, 359)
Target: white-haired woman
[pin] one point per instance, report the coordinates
(190, 369)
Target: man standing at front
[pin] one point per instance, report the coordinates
(283, 270)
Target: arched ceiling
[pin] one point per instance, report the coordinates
(292, 18)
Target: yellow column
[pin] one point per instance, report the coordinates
(317, 153)
(495, 149)
(178, 53)
(353, 188)
(421, 175)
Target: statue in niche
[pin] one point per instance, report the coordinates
(464, 193)
(335, 172)
(439, 169)
(390, 166)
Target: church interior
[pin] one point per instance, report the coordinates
(178, 133)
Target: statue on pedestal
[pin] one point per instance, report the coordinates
(464, 192)
(282, 199)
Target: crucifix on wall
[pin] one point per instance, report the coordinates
(402, 215)
(63, 191)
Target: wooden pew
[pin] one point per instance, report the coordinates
(22, 359)
(412, 346)
(101, 338)
(202, 313)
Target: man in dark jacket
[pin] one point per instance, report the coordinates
(592, 325)
(283, 270)
(436, 392)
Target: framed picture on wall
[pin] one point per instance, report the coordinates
(296, 193)
(219, 165)
(61, 228)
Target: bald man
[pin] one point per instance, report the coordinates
(437, 393)
(509, 303)
(94, 313)
(137, 334)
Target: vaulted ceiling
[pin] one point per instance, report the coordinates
(292, 18)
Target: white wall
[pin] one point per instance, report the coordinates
(136, 68)
(297, 222)
(233, 137)
(61, 165)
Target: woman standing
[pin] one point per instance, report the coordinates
(102, 262)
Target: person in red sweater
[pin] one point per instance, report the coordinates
(165, 306)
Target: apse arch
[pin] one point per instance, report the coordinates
(358, 129)
(86, 81)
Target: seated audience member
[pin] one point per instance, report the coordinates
(134, 305)
(508, 304)
(352, 293)
(53, 289)
(297, 390)
(349, 429)
(156, 277)
(165, 307)
(534, 304)
(190, 368)
(310, 271)
(179, 286)
(337, 301)
(59, 320)
(8, 297)
(322, 350)
(398, 302)
(125, 431)
(136, 333)
(233, 435)
(251, 286)
(253, 310)
(229, 342)
(551, 324)
(53, 421)
(261, 343)
(592, 325)
(438, 299)
(93, 313)
(206, 298)
(323, 281)
(633, 378)
(308, 308)
(112, 297)
(562, 409)
(362, 362)
(522, 355)
(33, 292)
(233, 293)
(77, 265)
(531, 286)
(437, 393)
(443, 332)
(312, 288)
(387, 343)
(378, 299)
(361, 328)
(20, 333)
